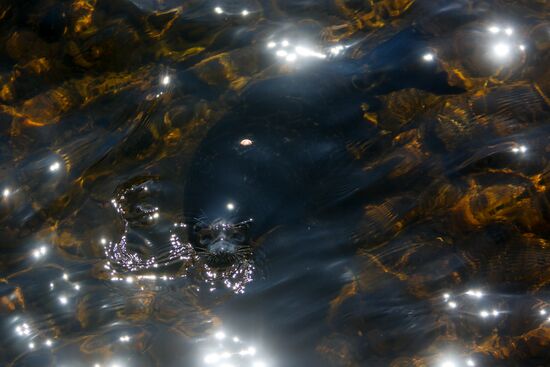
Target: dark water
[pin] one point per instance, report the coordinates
(274, 183)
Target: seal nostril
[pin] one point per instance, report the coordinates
(222, 247)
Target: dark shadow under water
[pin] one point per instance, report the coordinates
(178, 190)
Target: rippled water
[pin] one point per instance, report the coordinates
(274, 183)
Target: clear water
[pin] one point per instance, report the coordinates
(274, 183)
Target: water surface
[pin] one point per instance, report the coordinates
(274, 183)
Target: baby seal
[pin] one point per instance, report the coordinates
(277, 159)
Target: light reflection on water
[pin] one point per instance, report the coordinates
(267, 183)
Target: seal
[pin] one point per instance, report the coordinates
(279, 158)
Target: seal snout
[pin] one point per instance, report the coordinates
(222, 243)
(222, 246)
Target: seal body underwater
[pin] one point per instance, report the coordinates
(277, 159)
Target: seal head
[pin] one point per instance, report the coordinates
(222, 243)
